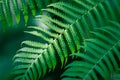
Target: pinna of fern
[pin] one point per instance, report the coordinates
(64, 37)
(101, 57)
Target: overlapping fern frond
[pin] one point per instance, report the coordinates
(84, 15)
(101, 57)
(12, 11)
(65, 35)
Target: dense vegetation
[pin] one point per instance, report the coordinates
(65, 40)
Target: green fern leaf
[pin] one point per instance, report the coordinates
(11, 9)
(7, 14)
(98, 58)
(67, 35)
(16, 10)
(2, 18)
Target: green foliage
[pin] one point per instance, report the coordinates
(80, 28)
(76, 39)
(12, 11)
(100, 56)
(116, 75)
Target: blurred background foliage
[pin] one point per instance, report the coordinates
(10, 41)
(11, 38)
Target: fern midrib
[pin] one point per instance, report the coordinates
(88, 12)
(65, 31)
(99, 60)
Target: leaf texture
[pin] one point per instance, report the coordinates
(19, 9)
(100, 57)
(74, 21)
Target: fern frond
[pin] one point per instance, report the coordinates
(2, 17)
(11, 9)
(99, 60)
(67, 35)
(16, 10)
(87, 14)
